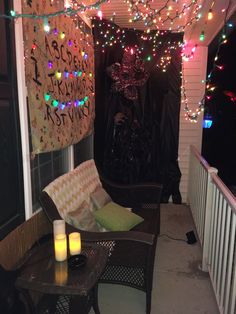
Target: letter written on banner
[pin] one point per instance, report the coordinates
(59, 67)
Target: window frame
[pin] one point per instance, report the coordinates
(23, 115)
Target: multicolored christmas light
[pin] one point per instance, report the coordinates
(71, 8)
(211, 88)
(144, 11)
(141, 10)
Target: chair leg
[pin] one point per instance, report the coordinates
(148, 301)
(95, 300)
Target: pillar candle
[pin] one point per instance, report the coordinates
(59, 227)
(74, 243)
(60, 246)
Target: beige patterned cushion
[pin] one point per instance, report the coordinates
(66, 193)
(70, 190)
(89, 178)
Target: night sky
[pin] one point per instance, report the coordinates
(219, 142)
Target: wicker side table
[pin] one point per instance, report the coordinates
(62, 289)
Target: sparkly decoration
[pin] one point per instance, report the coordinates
(128, 75)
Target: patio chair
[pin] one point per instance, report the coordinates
(132, 253)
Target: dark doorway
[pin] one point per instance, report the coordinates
(11, 179)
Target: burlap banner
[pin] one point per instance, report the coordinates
(59, 65)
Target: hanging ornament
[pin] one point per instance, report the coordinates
(128, 75)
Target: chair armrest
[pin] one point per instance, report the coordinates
(136, 236)
(126, 248)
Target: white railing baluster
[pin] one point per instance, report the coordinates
(203, 205)
(230, 265)
(217, 240)
(214, 212)
(208, 215)
(221, 256)
(212, 229)
(214, 258)
(225, 257)
(233, 292)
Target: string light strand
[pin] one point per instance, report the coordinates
(67, 11)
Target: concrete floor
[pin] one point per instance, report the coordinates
(179, 286)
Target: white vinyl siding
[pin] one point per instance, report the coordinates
(190, 133)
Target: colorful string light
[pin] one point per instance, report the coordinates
(187, 56)
(109, 34)
(79, 7)
(141, 10)
(62, 105)
(192, 115)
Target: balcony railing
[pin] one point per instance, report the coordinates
(213, 208)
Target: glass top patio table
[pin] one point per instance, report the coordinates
(42, 273)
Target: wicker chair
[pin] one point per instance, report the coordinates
(132, 253)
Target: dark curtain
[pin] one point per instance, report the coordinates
(137, 140)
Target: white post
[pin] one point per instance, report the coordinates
(22, 94)
(207, 225)
(70, 158)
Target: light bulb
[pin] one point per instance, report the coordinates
(202, 36)
(58, 75)
(62, 35)
(46, 26)
(99, 14)
(210, 15)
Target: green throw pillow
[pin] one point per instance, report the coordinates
(115, 217)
